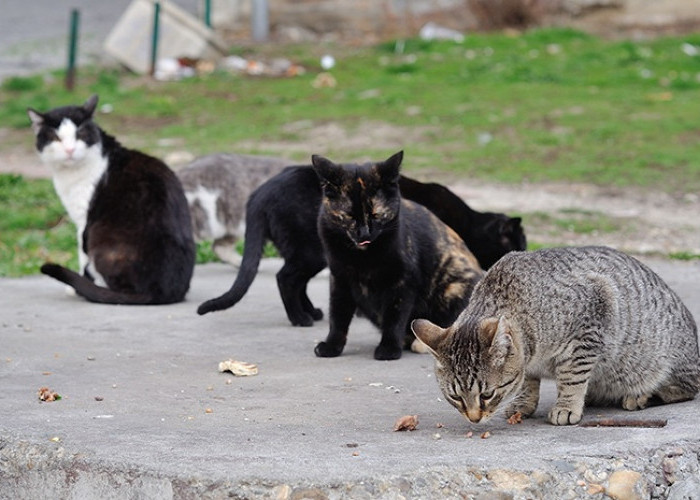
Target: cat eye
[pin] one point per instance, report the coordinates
(485, 396)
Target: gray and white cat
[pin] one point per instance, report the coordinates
(217, 188)
(604, 325)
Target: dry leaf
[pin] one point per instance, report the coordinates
(486, 435)
(46, 394)
(238, 368)
(406, 423)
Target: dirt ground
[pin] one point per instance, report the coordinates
(634, 220)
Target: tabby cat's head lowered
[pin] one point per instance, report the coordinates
(490, 367)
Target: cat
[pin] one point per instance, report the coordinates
(389, 258)
(488, 235)
(281, 209)
(604, 325)
(217, 187)
(133, 225)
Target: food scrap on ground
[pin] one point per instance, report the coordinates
(406, 423)
(238, 368)
(46, 394)
(486, 435)
(515, 418)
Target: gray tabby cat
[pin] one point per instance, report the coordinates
(217, 188)
(604, 325)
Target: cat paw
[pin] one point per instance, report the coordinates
(385, 353)
(632, 403)
(316, 314)
(563, 416)
(302, 320)
(524, 410)
(325, 350)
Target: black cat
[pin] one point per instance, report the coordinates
(283, 210)
(389, 258)
(134, 227)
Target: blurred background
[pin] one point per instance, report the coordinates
(581, 116)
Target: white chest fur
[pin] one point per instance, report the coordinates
(76, 169)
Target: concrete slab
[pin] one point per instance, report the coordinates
(146, 414)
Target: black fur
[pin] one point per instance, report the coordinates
(488, 235)
(389, 258)
(138, 234)
(284, 210)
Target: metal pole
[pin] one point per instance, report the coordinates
(154, 39)
(207, 12)
(259, 20)
(72, 48)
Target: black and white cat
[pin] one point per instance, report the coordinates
(133, 223)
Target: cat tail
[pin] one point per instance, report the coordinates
(92, 292)
(254, 241)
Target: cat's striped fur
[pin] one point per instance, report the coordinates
(604, 325)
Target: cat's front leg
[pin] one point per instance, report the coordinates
(395, 319)
(341, 309)
(527, 399)
(572, 377)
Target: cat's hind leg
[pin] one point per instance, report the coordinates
(663, 395)
(291, 281)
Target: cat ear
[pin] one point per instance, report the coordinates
(36, 118)
(389, 169)
(91, 104)
(329, 173)
(501, 338)
(430, 334)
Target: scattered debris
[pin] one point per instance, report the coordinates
(46, 394)
(327, 62)
(238, 368)
(486, 435)
(433, 31)
(324, 80)
(515, 418)
(406, 423)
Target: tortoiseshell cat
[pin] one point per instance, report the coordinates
(134, 229)
(604, 325)
(389, 258)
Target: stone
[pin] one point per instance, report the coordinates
(627, 485)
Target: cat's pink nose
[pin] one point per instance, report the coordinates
(69, 151)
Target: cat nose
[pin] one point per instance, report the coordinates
(69, 151)
(474, 416)
(363, 233)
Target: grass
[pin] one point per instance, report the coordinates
(548, 105)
